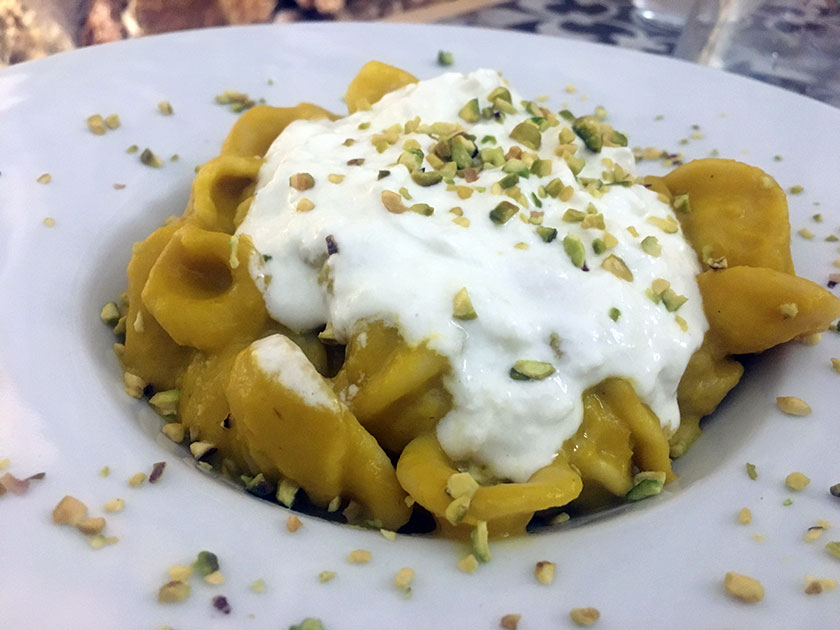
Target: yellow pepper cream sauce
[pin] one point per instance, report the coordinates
(536, 278)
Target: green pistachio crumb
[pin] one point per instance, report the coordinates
(301, 181)
(488, 140)
(615, 314)
(752, 473)
(509, 180)
(575, 250)
(617, 267)
(165, 108)
(525, 370)
(537, 201)
(681, 203)
(150, 159)
(541, 168)
(310, 623)
(573, 216)
(598, 246)
(110, 314)
(206, 563)
(547, 234)
(796, 190)
(470, 112)
(528, 134)
(112, 121)
(445, 58)
(651, 246)
(462, 307)
(646, 484)
(363, 125)
(132, 149)
(503, 212)
(480, 544)
(426, 178)
(833, 548)
(588, 129)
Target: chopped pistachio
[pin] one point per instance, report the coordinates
(91, 526)
(480, 544)
(806, 233)
(201, 450)
(831, 238)
(150, 159)
(468, 564)
(789, 310)
(526, 370)
(301, 181)
(646, 484)
(743, 587)
(668, 225)
(575, 250)
(393, 202)
(616, 266)
(744, 516)
(115, 505)
(470, 112)
(588, 129)
(166, 402)
(461, 484)
(137, 479)
(293, 523)
(536, 200)
(335, 178)
(793, 406)
(412, 159)
(527, 133)
(175, 431)
(651, 246)
(359, 556)
(573, 216)
(174, 591)
(503, 212)
(751, 471)
(206, 562)
(69, 511)
(796, 190)
(833, 548)
(672, 300)
(422, 208)
(545, 571)
(462, 307)
(584, 616)
(547, 234)
(445, 58)
(797, 481)
(426, 178)
(96, 124)
(681, 203)
(165, 108)
(614, 314)
(215, 578)
(509, 180)
(593, 221)
(310, 623)
(510, 622)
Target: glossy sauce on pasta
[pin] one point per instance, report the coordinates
(532, 302)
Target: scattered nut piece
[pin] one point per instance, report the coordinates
(359, 556)
(91, 526)
(175, 431)
(793, 406)
(201, 450)
(104, 471)
(206, 562)
(387, 534)
(293, 523)
(98, 541)
(69, 511)
(815, 586)
(326, 576)
(96, 124)
(510, 622)
(584, 616)
(180, 572)
(165, 108)
(112, 121)
(796, 481)
(468, 564)
(221, 604)
(789, 310)
(157, 471)
(403, 580)
(743, 587)
(133, 385)
(744, 516)
(833, 548)
(810, 340)
(215, 578)
(545, 571)
(258, 586)
(137, 479)
(174, 591)
(835, 490)
(752, 473)
(45, 178)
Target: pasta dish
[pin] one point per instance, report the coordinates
(454, 302)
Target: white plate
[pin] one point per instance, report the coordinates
(62, 409)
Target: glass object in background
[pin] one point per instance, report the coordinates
(791, 43)
(666, 13)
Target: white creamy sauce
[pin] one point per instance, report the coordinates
(279, 358)
(406, 268)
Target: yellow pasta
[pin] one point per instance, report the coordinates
(332, 418)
